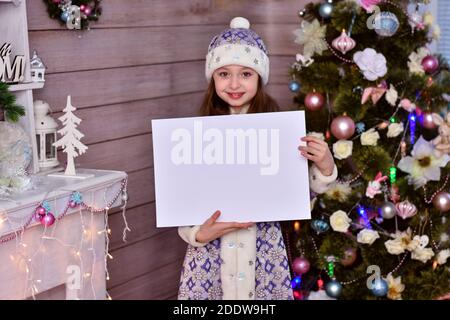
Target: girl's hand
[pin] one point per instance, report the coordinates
(211, 230)
(318, 152)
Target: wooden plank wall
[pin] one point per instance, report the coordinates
(145, 60)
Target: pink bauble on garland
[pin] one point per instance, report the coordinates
(430, 64)
(72, 204)
(342, 127)
(39, 213)
(314, 101)
(48, 219)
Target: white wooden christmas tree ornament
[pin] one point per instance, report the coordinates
(70, 141)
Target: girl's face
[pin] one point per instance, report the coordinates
(236, 85)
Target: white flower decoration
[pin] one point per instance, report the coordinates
(370, 137)
(422, 254)
(339, 191)
(311, 36)
(402, 241)
(395, 287)
(436, 32)
(428, 18)
(415, 60)
(425, 163)
(442, 256)
(367, 236)
(391, 95)
(318, 135)
(339, 221)
(371, 63)
(342, 149)
(395, 129)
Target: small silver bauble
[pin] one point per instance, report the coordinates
(387, 210)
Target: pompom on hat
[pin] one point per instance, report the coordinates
(238, 45)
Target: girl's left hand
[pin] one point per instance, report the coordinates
(318, 152)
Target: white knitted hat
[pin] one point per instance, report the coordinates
(238, 45)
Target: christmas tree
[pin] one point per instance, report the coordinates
(71, 136)
(371, 88)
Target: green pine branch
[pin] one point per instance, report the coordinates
(12, 110)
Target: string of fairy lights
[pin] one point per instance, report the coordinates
(29, 263)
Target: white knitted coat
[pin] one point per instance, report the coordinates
(246, 238)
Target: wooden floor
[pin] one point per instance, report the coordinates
(145, 60)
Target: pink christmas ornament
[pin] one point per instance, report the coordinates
(427, 120)
(342, 127)
(314, 101)
(87, 10)
(442, 201)
(375, 93)
(405, 209)
(38, 217)
(374, 186)
(407, 105)
(343, 43)
(40, 210)
(300, 265)
(82, 7)
(430, 64)
(48, 219)
(72, 204)
(368, 4)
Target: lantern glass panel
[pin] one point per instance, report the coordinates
(38, 142)
(49, 149)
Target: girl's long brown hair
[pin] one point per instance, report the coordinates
(213, 105)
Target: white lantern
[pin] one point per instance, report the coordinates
(45, 135)
(37, 68)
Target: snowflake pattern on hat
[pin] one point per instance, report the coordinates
(239, 36)
(238, 45)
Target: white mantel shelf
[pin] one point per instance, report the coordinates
(51, 263)
(58, 190)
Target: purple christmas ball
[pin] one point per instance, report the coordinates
(300, 265)
(342, 127)
(48, 219)
(430, 64)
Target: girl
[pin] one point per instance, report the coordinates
(231, 260)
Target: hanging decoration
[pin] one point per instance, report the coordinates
(326, 9)
(75, 14)
(43, 210)
(343, 43)
(386, 24)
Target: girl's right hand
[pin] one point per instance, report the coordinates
(211, 230)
